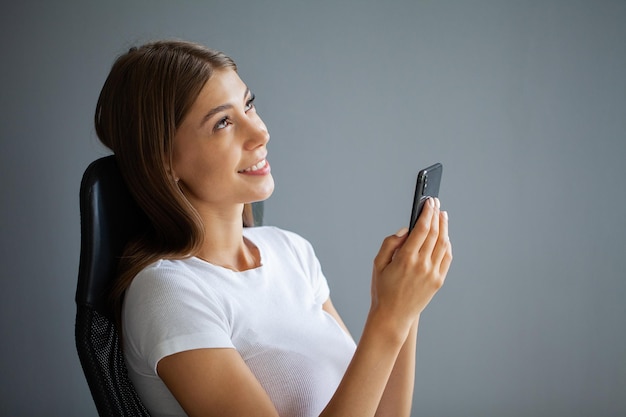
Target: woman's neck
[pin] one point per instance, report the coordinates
(224, 244)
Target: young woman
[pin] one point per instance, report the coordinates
(219, 319)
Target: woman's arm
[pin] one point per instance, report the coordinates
(214, 383)
(398, 396)
(408, 271)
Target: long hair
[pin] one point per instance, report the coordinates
(144, 99)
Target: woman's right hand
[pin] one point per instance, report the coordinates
(410, 268)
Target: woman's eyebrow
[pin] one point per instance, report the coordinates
(221, 108)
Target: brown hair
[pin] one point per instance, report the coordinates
(144, 99)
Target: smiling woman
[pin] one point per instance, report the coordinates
(218, 319)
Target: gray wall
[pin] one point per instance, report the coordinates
(524, 102)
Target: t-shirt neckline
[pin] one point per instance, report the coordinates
(257, 268)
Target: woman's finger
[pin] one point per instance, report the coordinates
(388, 248)
(431, 238)
(444, 267)
(422, 227)
(443, 241)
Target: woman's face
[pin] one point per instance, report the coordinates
(219, 151)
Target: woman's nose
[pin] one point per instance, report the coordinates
(257, 133)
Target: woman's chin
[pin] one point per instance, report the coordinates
(266, 190)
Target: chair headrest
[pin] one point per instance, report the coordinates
(110, 217)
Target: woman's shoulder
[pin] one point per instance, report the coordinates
(276, 235)
(282, 241)
(164, 274)
(165, 267)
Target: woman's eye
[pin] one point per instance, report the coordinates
(222, 123)
(250, 102)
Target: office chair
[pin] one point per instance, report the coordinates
(109, 218)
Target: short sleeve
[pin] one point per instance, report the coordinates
(166, 311)
(311, 265)
(318, 279)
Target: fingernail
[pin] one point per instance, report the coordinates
(445, 214)
(437, 203)
(402, 232)
(431, 201)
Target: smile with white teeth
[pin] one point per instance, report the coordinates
(255, 167)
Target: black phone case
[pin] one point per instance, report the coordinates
(427, 185)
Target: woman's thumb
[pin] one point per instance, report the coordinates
(389, 247)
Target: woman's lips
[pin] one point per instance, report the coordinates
(260, 168)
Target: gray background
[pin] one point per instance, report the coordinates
(524, 102)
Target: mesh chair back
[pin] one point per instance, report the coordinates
(109, 218)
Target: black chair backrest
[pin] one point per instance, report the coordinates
(109, 218)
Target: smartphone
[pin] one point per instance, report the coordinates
(428, 181)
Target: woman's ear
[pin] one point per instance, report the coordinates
(167, 165)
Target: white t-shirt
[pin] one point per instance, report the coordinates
(271, 314)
